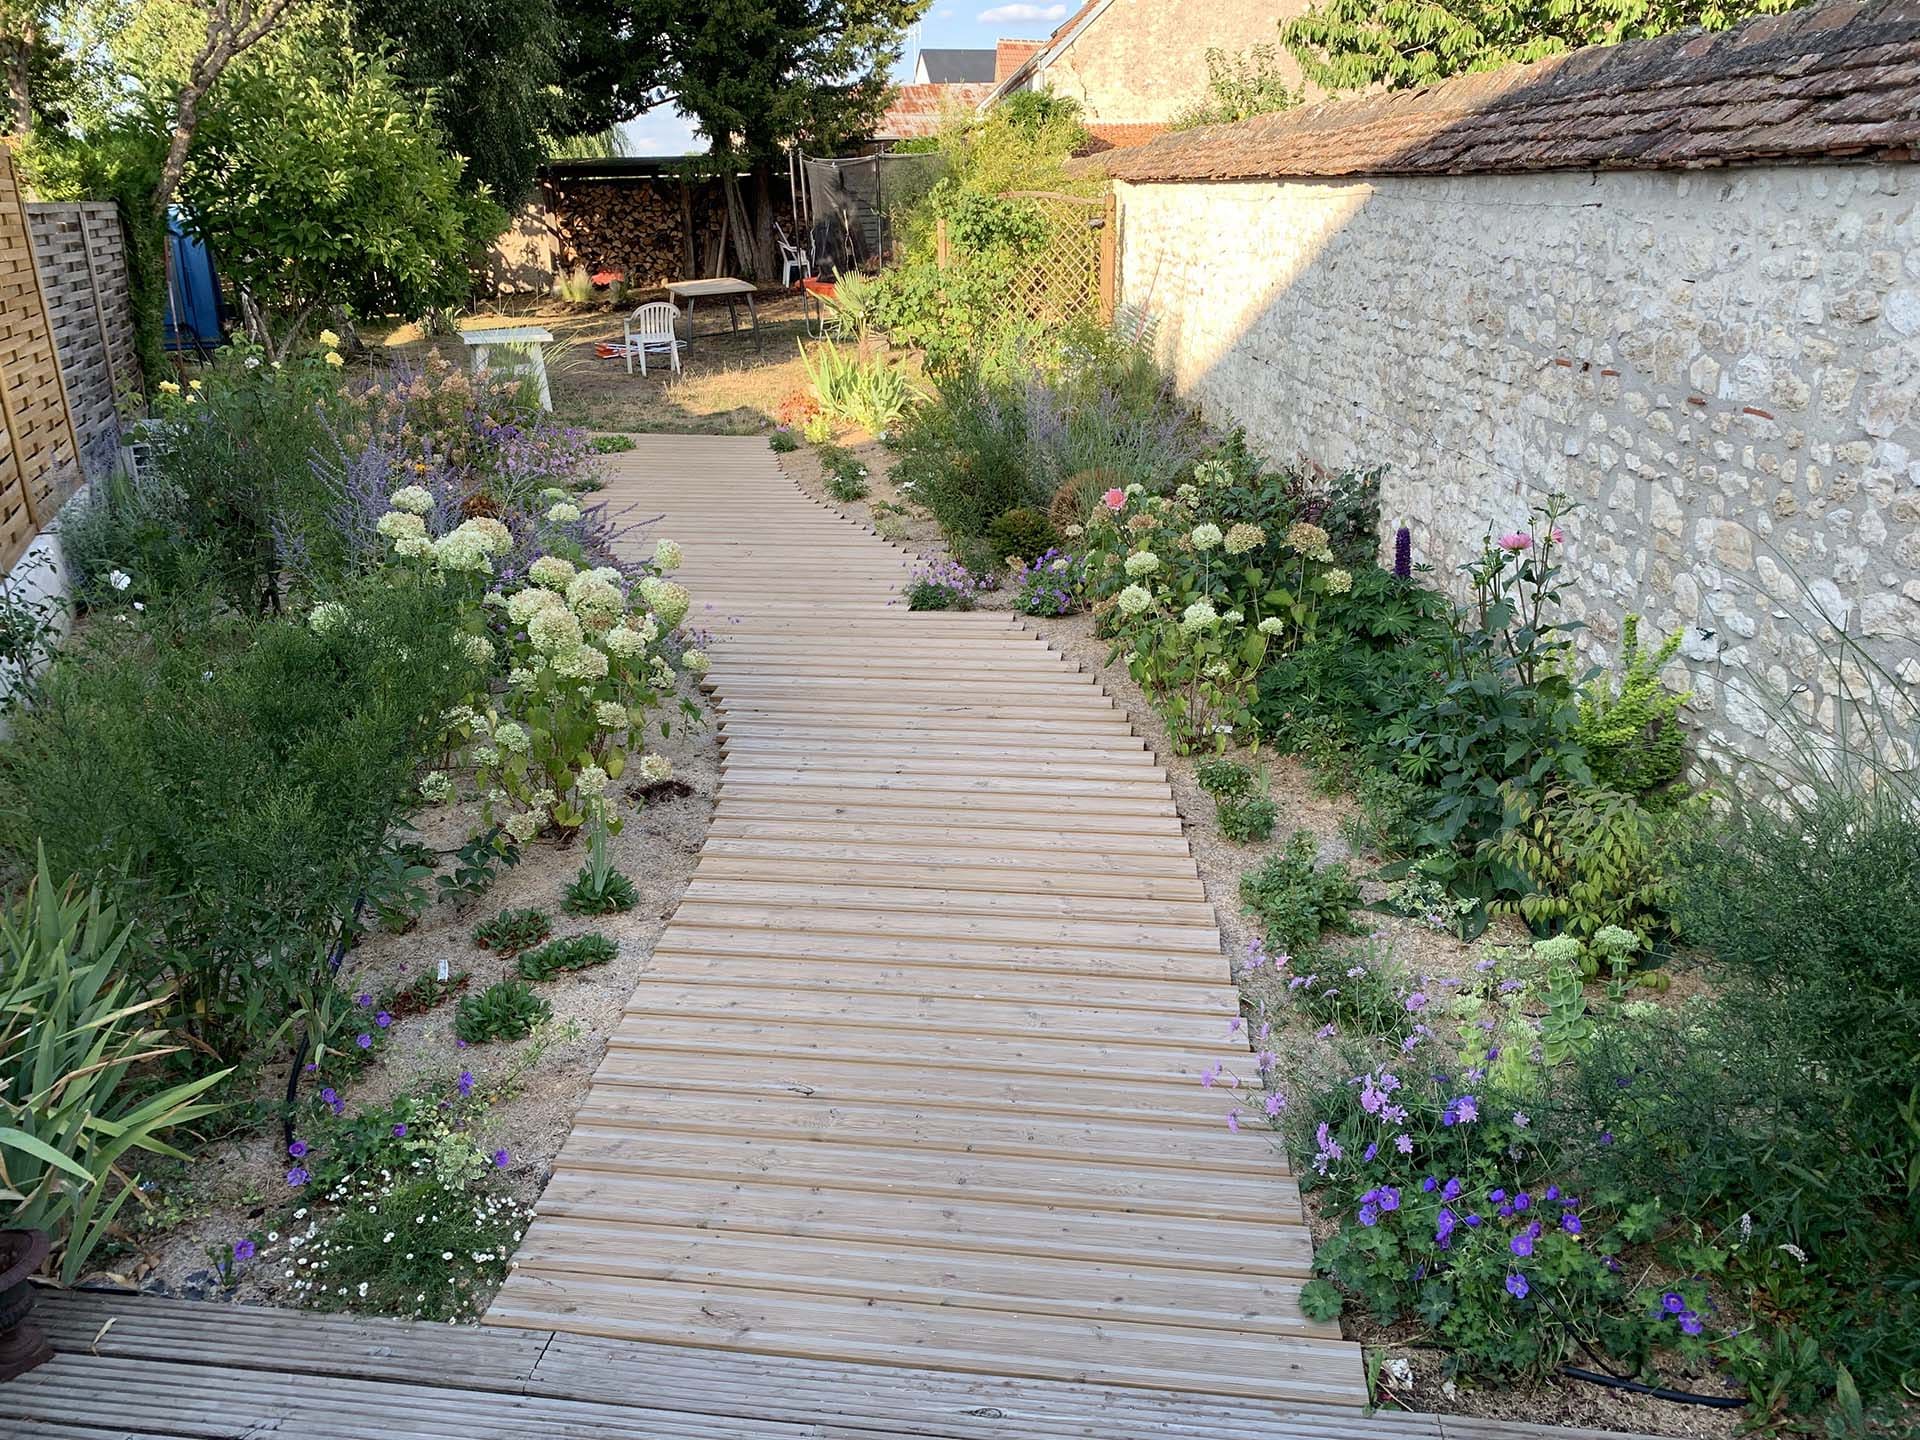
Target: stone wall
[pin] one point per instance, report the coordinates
(1722, 367)
(1143, 61)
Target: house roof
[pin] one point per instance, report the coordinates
(1835, 80)
(918, 110)
(958, 67)
(1010, 55)
(1063, 35)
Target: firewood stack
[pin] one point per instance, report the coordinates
(640, 227)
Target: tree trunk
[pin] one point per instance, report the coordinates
(19, 87)
(763, 221)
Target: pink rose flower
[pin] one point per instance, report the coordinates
(1114, 499)
(1516, 541)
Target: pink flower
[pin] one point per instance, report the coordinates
(1114, 499)
(1559, 536)
(1516, 540)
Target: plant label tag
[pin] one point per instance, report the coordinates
(443, 969)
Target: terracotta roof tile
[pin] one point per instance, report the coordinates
(1837, 79)
(1010, 55)
(918, 110)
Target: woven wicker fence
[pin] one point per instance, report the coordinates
(39, 453)
(82, 254)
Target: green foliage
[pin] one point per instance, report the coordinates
(320, 184)
(1239, 87)
(612, 444)
(1023, 531)
(512, 931)
(1246, 819)
(573, 952)
(78, 1096)
(234, 782)
(1321, 1301)
(1566, 1027)
(965, 457)
(1629, 726)
(1222, 778)
(505, 1010)
(867, 392)
(846, 477)
(1358, 44)
(783, 442)
(604, 893)
(1294, 900)
(1592, 858)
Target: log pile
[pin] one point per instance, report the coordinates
(652, 229)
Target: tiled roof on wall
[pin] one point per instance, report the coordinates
(1831, 81)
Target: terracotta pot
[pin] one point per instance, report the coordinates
(22, 1345)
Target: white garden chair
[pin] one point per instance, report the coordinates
(794, 259)
(651, 329)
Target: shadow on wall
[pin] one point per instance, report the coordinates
(1722, 366)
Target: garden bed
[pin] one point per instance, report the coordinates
(238, 1188)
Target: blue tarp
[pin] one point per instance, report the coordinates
(193, 295)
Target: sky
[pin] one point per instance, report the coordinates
(950, 24)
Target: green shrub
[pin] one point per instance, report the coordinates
(573, 952)
(512, 931)
(1245, 819)
(594, 893)
(1222, 778)
(783, 441)
(232, 783)
(611, 444)
(965, 457)
(846, 476)
(1629, 725)
(869, 393)
(1023, 531)
(78, 1097)
(505, 1010)
(1294, 900)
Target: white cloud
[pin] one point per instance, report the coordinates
(1001, 14)
(664, 131)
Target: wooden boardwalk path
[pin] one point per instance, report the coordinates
(914, 1075)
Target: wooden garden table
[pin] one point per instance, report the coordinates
(529, 338)
(721, 287)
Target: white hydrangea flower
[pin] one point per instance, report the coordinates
(596, 602)
(486, 755)
(1134, 600)
(1233, 617)
(414, 499)
(554, 630)
(523, 605)
(666, 555)
(519, 678)
(591, 782)
(696, 663)
(551, 571)
(655, 768)
(1243, 537)
(492, 535)
(611, 715)
(1205, 537)
(582, 662)
(666, 599)
(479, 649)
(525, 825)
(511, 735)
(463, 550)
(1198, 616)
(625, 643)
(554, 492)
(396, 523)
(1142, 562)
(564, 512)
(328, 617)
(412, 547)
(1272, 625)
(436, 788)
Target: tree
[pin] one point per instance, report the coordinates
(758, 75)
(320, 184)
(1356, 44)
(1240, 87)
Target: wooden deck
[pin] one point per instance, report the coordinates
(913, 1078)
(131, 1367)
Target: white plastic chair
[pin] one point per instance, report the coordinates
(653, 328)
(793, 258)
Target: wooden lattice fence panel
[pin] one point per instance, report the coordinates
(41, 467)
(1059, 280)
(82, 256)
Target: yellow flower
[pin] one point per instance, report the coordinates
(333, 359)
(329, 339)
(168, 387)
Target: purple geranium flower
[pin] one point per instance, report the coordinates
(365, 1042)
(297, 1176)
(297, 1149)
(500, 1159)
(243, 1249)
(1517, 1286)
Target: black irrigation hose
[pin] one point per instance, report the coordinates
(1658, 1392)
